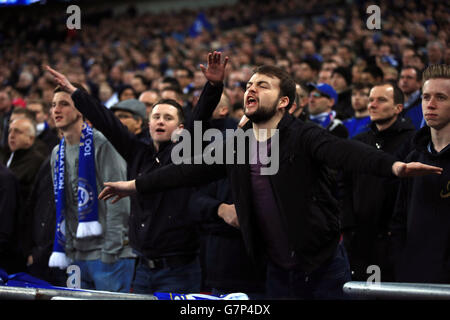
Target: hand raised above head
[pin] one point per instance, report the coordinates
(61, 80)
(215, 69)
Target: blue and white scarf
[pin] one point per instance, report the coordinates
(88, 224)
(323, 119)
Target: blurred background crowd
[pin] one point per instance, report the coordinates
(126, 51)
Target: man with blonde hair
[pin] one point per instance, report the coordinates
(421, 225)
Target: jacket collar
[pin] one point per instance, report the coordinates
(400, 125)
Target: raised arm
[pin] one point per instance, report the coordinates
(214, 72)
(101, 117)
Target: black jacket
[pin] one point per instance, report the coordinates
(369, 200)
(10, 211)
(41, 216)
(421, 222)
(309, 211)
(227, 265)
(160, 224)
(25, 165)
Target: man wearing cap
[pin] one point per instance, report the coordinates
(341, 80)
(132, 114)
(322, 98)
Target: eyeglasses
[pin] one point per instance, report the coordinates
(318, 95)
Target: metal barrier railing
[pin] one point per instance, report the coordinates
(395, 290)
(18, 293)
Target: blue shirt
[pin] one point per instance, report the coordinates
(356, 126)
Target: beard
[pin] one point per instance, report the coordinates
(263, 114)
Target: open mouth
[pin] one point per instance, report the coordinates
(251, 101)
(160, 130)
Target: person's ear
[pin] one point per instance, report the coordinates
(283, 102)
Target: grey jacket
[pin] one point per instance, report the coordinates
(110, 166)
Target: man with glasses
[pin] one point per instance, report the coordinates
(322, 98)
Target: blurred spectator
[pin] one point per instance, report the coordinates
(372, 74)
(410, 84)
(324, 76)
(10, 211)
(307, 70)
(126, 92)
(185, 78)
(435, 52)
(235, 86)
(41, 224)
(38, 145)
(132, 114)
(139, 84)
(106, 95)
(6, 108)
(322, 98)
(24, 160)
(149, 98)
(44, 132)
(299, 108)
(360, 101)
(341, 81)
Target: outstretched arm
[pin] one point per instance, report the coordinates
(168, 177)
(414, 169)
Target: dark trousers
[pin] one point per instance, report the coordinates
(181, 279)
(325, 283)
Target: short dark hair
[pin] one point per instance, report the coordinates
(375, 71)
(314, 64)
(45, 106)
(287, 84)
(175, 104)
(144, 80)
(172, 81)
(27, 113)
(361, 85)
(418, 72)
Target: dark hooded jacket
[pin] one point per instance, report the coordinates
(421, 224)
